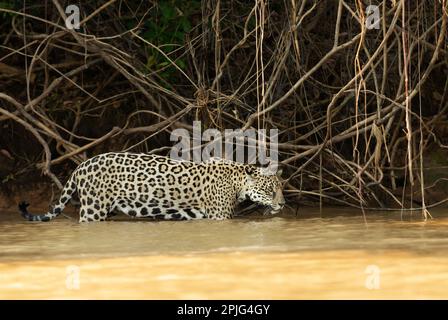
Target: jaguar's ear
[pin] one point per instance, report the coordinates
(250, 172)
(273, 169)
(279, 172)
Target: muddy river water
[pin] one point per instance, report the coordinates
(331, 254)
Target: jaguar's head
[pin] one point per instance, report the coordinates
(264, 187)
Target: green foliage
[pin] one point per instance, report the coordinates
(9, 6)
(166, 28)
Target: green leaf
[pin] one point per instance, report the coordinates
(185, 24)
(181, 63)
(150, 62)
(163, 64)
(168, 12)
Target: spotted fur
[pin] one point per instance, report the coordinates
(142, 185)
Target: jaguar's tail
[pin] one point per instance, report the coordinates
(66, 195)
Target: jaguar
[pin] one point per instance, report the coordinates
(145, 185)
